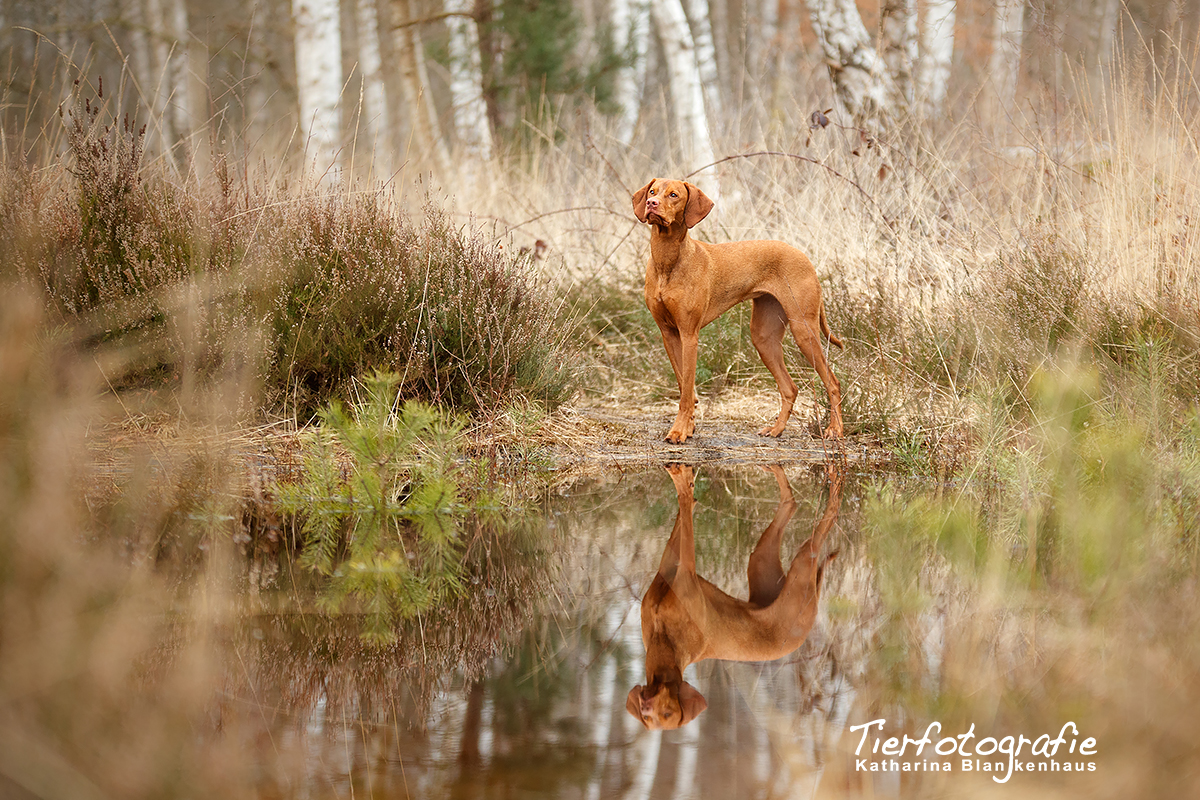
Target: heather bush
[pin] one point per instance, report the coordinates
(307, 291)
(458, 319)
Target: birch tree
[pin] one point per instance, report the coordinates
(706, 57)
(414, 80)
(860, 77)
(319, 80)
(375, 124)
(898, 21)
(466, 82)
(687, 94)
(168, 24)
(937, 53)
(631, 37)
(1005, 63)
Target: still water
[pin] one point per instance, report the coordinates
(524, 688)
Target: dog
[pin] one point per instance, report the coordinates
(690, 283)
(686, 619)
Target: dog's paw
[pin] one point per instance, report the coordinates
(833, 432)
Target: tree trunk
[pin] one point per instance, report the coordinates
(688, 760)
(687, 95)
(860, 77)
(375, 125)
(898, 20)
(601, 711)
(168, 25)
(631, 37)
(1005, 66)
(490, 62)
(937, 40)
(319, 80)
(718, 13)
(142, 64)
(706, 57)
(466, 83)
(426, 133)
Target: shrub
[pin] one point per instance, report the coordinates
(118, 235)
(458, 319)
(200, 282)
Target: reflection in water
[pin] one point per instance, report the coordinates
(686, 619)
(518, 691)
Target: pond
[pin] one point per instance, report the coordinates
(521, 690)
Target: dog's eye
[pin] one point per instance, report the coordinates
(674, 194)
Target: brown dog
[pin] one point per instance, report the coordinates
(691, 283)
(686, 619)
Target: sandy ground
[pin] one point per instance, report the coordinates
(620, 431)
(616, 431)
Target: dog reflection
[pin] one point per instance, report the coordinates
(686, 619)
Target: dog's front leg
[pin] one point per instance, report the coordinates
(685, 373)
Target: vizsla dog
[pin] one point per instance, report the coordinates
(690, 283)
(686, 619)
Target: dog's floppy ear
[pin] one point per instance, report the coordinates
(691, 703)
(698, 206)
(633, 704)
(639, 202)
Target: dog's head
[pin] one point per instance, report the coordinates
(665, 706)
(664, 202)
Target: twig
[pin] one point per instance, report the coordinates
(809, 160)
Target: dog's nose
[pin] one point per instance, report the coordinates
(652, 203)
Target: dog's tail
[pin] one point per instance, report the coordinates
(825, 330)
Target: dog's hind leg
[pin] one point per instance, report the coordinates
(809, 342)
(764, 571)
(767, 324)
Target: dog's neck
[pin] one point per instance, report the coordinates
(667, 243)
(666, 657)
(662, 675)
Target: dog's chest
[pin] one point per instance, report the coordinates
(665, 298)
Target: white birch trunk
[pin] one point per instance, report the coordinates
(168, 25)
(1005, 66)
(937, 45)
(860, 78)
(375, 125)
(466, 83)
(143, 66)
(319, 80)
(601, 711)
(687, 94)
(706, 57)
(631, 36)
(718, 13)
(899, 42)
(649, 747)
(180, 113)
(689, 761)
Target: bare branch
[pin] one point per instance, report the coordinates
(434, 18)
